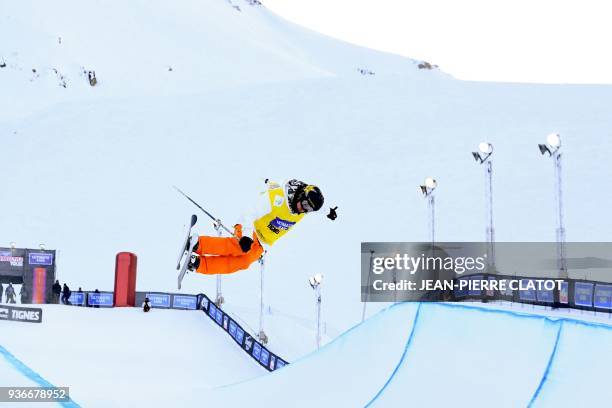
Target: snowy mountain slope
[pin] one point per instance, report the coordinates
(121, 357)
(251, 97)
(160, 48)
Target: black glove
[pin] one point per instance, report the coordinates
(245, 244)
(332, 213)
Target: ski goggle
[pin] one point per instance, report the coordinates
(306, 206)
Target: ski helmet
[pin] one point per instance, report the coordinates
(310, 198)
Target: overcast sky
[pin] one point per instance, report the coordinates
(558, 41)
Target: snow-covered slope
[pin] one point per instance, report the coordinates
(122, 357)
(439, 355)
(88, 170)
(157, 48)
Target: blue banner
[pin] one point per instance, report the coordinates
(489, 292)
(475, 292)
(256, 351)
(185, 302)
(219, 317)
(100, 299)
(527, 294)
(281, 224)
(603, 296)
(251, 346)
(583, 294)
(40, 259)
(77, 298)
(212, 310)
(160, 300)
(546, 296)
(265, 356)
(458, 292)
(232, 328)
(239, 337)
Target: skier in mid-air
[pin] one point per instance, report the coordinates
(286, 206)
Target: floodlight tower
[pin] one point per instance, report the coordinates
(483, 156)
(315, 284)
(261, 335)
(553, 147)
(219, 299)
(365, 303)
(427, 189)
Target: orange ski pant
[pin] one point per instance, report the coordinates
(223, 255)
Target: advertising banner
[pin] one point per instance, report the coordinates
(252, 347)
(185, 302)
(12, 262)
(545, 296)
(77, 298)
(20, 314)
(529, 294)
(45, 259)
(583, 294)
(161, 300)
(104, 299)
(603, 296)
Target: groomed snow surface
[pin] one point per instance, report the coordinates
(425, 355)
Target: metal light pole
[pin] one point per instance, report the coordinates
(219, 300)
(483, 156)
(262, 335)
(553, 147)
(427, 189)
(315, 284)
(363, 313)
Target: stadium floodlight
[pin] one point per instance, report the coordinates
(316, 280)
(554, 140)
(13, 245)
(484, 156)
(485, 150)
(41, 246)
(315, 283)
(427, 189)
(553, 148)
(431, 183)
(485, 147)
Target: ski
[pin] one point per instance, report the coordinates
(192, 241)
(185, 246)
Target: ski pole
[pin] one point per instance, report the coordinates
(205, 212)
